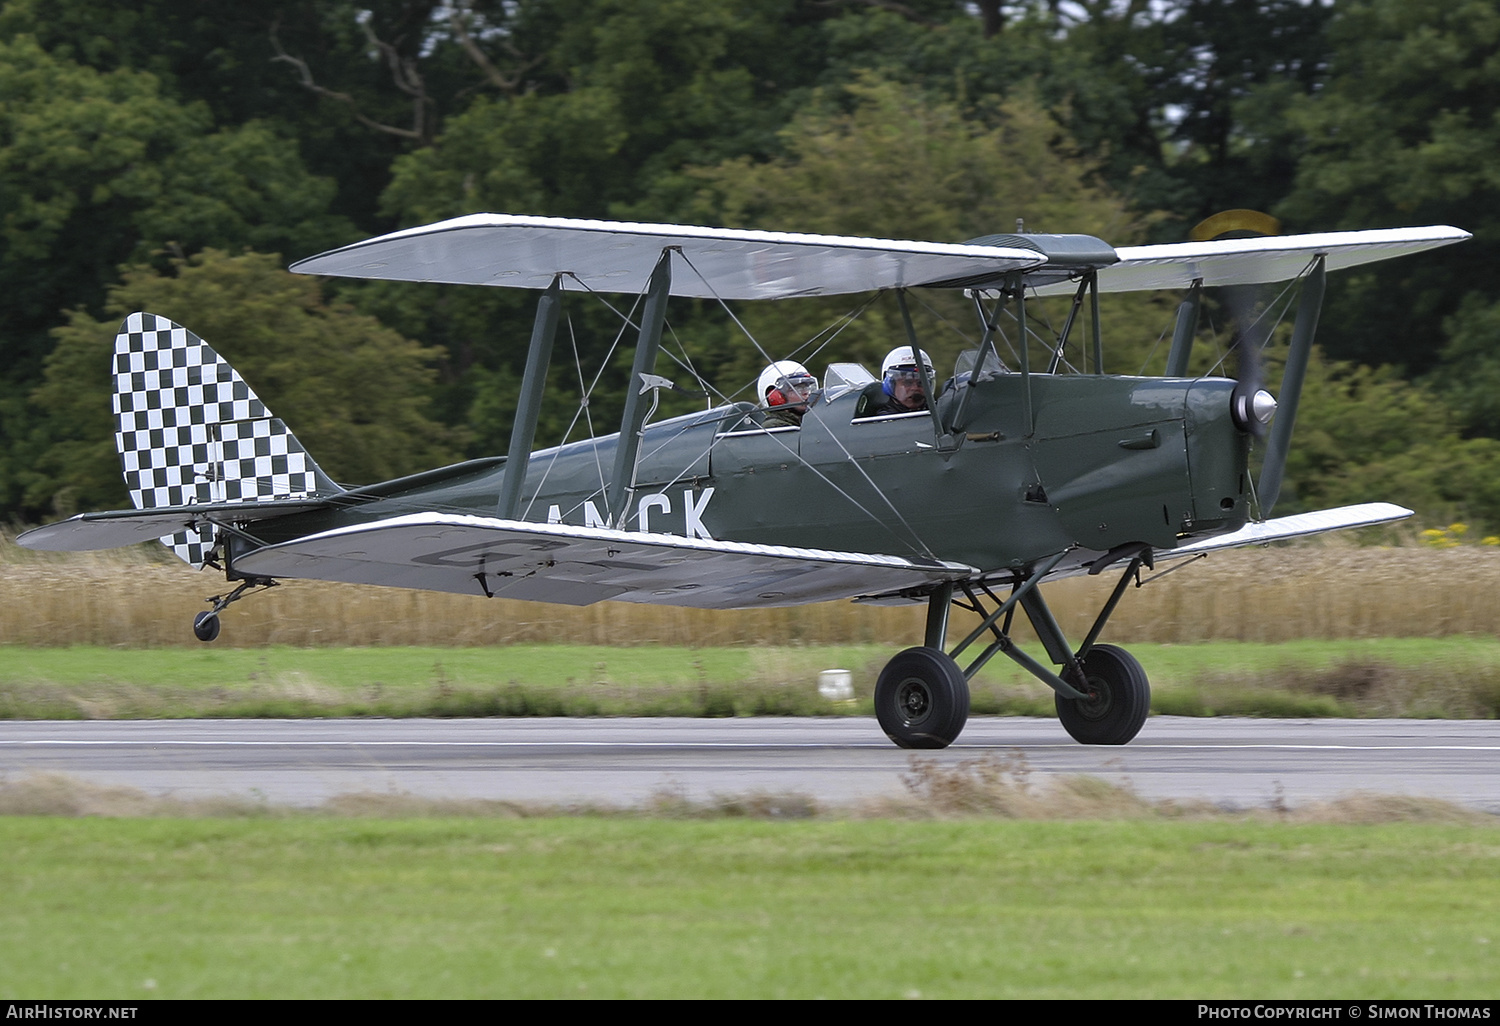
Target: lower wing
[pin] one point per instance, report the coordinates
(475, 555)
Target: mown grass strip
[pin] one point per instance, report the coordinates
(611, 907)
(1450, 677)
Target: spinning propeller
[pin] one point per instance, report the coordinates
(1251, 405)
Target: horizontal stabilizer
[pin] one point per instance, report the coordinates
(1256, 261)
(517, 251)
(472, 555)
(89, 531)
(1300, 525)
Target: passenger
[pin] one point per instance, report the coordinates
(900, 388)
(786, 387)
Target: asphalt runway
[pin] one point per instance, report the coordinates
(1233, 762)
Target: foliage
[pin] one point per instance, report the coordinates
(625, 95)
(895, 164)
(1468, 376)
(100, 168)
(1452, 536)
(1364, 434)
(353, 390)
(1407, 131)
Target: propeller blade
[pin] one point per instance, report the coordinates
(1250, 404)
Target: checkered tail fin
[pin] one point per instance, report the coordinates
(191, 432)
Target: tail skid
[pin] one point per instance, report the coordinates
(190, 431)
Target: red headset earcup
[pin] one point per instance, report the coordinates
(775, 398)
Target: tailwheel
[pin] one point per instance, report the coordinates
(922, 699)
(206, 626)
(1117, 703)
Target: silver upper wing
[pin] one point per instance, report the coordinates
(473, 555)
(614, 256)
(1256, 261)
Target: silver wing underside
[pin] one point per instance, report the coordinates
(1256, 261)
(472, 555)
(1300, 525)
(517, 251)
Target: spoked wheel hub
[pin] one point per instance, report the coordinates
(1099, 700)
(914, 700)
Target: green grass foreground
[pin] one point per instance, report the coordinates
(611, 907)
(1422, 677)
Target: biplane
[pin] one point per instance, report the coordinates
(1023, 467)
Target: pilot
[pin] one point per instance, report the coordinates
(900, 387)
(787, 388)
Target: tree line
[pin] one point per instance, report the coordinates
(175, 155)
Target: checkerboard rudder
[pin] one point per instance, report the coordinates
(190, 431)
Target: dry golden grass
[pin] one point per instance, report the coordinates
(1320, 589)
(1003, 786)
(991, 787)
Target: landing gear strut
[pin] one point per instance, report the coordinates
(206, 625)
(1103, 696)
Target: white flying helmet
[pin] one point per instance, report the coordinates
(781, 379)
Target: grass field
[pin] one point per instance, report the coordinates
(612, 907)
(1411, 677)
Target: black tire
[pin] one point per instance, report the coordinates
(922, 699)
(1118, 703)
(206, 626)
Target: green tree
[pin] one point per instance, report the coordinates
(100, 168)
(1468, 376)
(622, 96)
(1406, 132)
(355, 392)
(899, 165)
(1363, 434)
(1178, 103)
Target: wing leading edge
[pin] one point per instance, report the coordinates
(472, 555)
(1299, 525)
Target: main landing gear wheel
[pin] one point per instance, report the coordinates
(206, 626)
(922, 699)
(1119, 698)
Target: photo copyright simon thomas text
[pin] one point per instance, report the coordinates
(1290, 1010)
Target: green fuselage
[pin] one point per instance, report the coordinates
(1106, 461)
